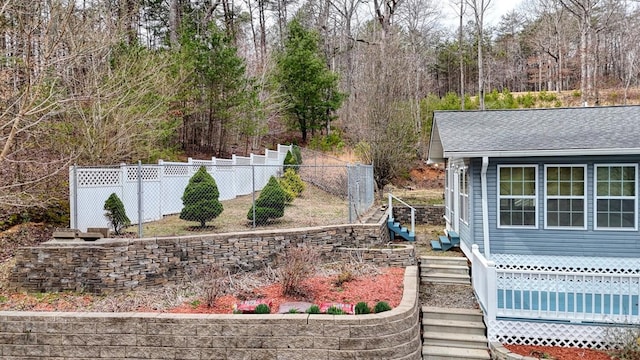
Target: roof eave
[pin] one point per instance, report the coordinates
(535, 153)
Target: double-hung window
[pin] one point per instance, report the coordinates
(565, 196)
(615, 196)
(463, 195)
(517, 196)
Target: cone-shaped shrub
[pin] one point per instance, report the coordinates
(293, 160)
(292, 184)
(115, 213)
(270, 204)
(200, 198)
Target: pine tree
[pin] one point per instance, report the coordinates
(115, 213)
(200, 198)
(270, 204)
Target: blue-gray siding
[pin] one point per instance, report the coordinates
(542, 241)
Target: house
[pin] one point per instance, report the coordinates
(545, 202)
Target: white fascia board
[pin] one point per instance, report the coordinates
(532, 153)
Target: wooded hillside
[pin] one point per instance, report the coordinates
(97, 82)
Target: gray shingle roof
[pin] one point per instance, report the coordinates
(535, 132)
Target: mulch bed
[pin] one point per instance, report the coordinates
(557, 353)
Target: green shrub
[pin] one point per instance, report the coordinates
(293, 311)
(576, 93)
(115, 213)
(270, 204)
(381, 306)
(527, 100)
(200, 198)
(262, 309)
(313, 309)
(292, 184)
(330, 142)
(335, 311)
(362, 308)
(290, 162)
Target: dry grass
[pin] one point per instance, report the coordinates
(314, 208)
(418, 197)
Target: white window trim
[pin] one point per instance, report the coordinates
(583, 197)
(498, 197)
(595, 198)
(463, 174)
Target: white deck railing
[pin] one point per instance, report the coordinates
(570, 293)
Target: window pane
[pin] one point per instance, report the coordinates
(578, 219)
(552, 219)
(615, 205)
(578, 174)
(578, 189)
(529, 218)
(565, 188)
(615, 188)
(505, 218)
(628, 205)
(628, 220)
(603, 188)
(564, 219)
(615, 220)
(516, 188)
(530, 173)
(529, 188)
(615, 173)
(552, 205)
(505, 188)
(577, 205)
(552, 188)
(505, 174)
(603, 173)
(565, 174)
(552, 173)
(603, 206)
(516, 218)
(629, 173)
(628, 189)
(516, 174)
(505, 204)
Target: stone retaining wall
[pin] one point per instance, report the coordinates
(109, 265)
(73, 336)
(425, 214)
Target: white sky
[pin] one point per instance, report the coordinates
(497, 8)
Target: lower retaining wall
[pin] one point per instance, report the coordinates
(109, 265)
(390, 335)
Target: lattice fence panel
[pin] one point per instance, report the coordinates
(592, 265)
(98, 177)
(551, 334)
(147, 173)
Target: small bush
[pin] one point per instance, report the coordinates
(292, 184)
(381, 306)
(362, 308)
(215, 284)
(262, 309)
(335, 311)
(313, 309)
(343, 277)
(270, 204)
(298, 264)
(293, 311)
(624, 343)
(116, 214)
(200, 198)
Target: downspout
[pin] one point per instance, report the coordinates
(485, 207)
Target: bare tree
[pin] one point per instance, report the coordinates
(479, 8)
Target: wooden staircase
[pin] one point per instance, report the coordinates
(444, 269)
(446, 242)
(395, 228)
(449, 333)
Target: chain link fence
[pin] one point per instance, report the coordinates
(219, 195)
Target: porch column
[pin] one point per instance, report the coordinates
(485, 208)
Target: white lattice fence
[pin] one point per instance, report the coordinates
(162, 185)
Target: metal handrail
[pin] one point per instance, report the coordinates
(413, 212)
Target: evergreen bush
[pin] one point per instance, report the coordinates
(381, 306)
(262, 309)
(200, 198)
(313, 309)
(270, 204)
(335, 311)
(292, 184)
(116, 213)
(362, 308)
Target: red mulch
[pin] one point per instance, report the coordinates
(557, 353)
(370, 289)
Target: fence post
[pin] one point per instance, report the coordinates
(253, 193)
(75, 197)
(140, 190)
(349, 195)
